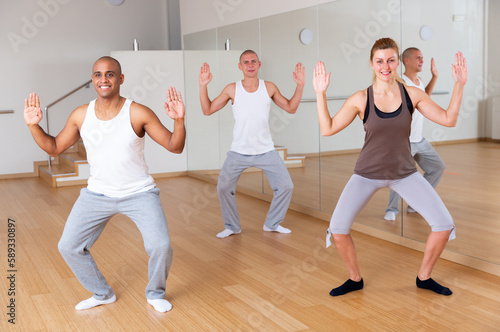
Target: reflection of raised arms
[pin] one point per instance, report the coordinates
(433, 111)
(210, 107)
(54, 146)
(430, 87)
(352, 107)
(147, 119)
(291, 105)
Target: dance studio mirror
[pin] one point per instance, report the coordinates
(342, 36)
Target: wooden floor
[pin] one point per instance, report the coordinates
(470, 188)
(254, 281)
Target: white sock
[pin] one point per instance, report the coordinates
(390, 215)
(92, 302)
(226, 233)
(160, 305)
(279, 229)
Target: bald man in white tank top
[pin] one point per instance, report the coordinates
(252, 144)
(422, 151)
(113, 130)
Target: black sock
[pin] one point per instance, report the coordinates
(348, 286)
(433, 286)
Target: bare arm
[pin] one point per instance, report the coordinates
(208, 106)
(348, 112)
(434, 112)
(54, 146)
(291, 105)
(430, 86)
(174, 107)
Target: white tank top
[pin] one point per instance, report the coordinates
(417, 123)
(115, 154)
(251, 133)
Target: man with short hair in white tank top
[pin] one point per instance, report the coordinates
(422, 151)
(252, 144)
(113, 130)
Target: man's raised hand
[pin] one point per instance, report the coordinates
(205, 74)
(434, 70)
(32, 111)
(174, 105)
(299, 75)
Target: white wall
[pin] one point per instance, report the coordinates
(49, 46)
(200, 15)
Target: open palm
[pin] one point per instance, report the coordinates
(459, 69)
(174, 105)
(205, 74)
(32, 111)
(321, 80)
(299, 75)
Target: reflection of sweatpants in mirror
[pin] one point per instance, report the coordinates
(87, 220)
(277, 175)
(429, 161)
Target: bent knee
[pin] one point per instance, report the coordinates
(445, 224)
(286, 187)
(160, 247)
(340, 237)
(67, 248)
(441, 168)
(225, 186)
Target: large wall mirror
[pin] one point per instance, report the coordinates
(341, 35)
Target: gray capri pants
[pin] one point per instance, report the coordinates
(414, 189)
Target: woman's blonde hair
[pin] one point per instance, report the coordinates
(383, 44)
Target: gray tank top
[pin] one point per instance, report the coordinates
(386, 153)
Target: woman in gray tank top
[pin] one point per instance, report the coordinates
(385, 159)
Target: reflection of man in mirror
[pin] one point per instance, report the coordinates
(421, 150)
(252, 144)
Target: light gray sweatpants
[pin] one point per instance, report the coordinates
(87, 220)
(414, 189)
(279, 179)
(429, 161)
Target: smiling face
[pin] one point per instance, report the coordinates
(249, 65)
(107, 77)
(385, 64)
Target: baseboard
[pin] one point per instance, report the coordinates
(169, 174)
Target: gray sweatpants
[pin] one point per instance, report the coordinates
(279, 179)
(414, 189)
(429, 161)
(87, 220)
